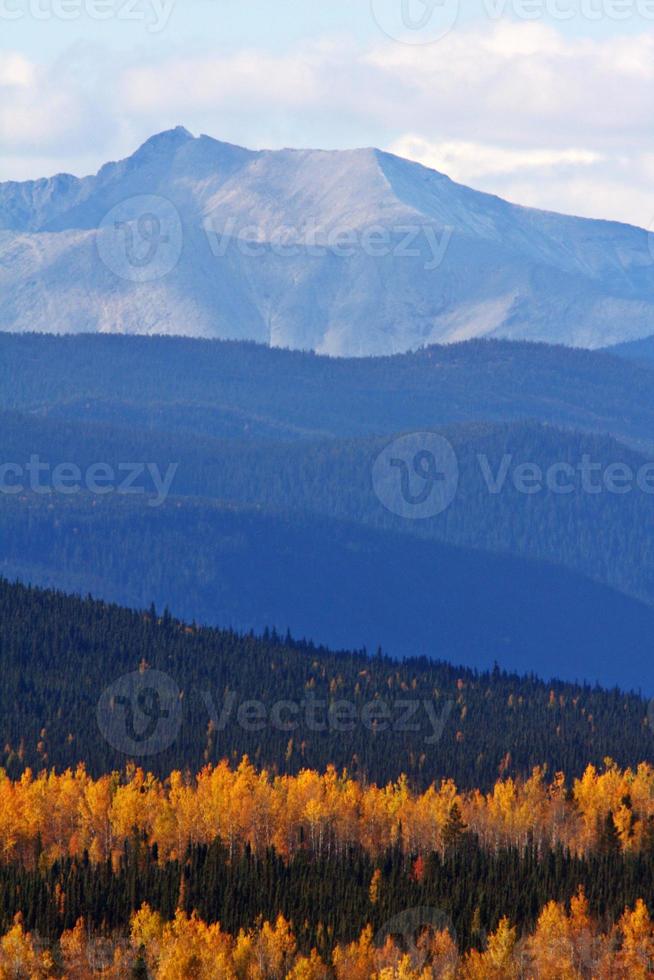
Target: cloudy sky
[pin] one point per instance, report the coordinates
(546, 102)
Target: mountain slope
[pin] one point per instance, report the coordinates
(603, 535)
(273, 518)
(299, 434)
(348, 253)
(339, 584)
(249, 391)
(77, 648)
(635, 350)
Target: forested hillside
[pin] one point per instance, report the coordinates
(331, 856)
(339, 584)
(608, 537)
(635, 350)
(417, 944)
(430, 720)
(244, 389)
(271, 458)
(502, 836)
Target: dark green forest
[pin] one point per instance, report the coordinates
(325, 899)
(59, 653)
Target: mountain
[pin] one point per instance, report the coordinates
(248, 391)
(345, 253)
(605, 536)
(336, 583)
(273, 519)
(635, 350)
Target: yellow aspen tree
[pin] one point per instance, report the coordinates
(551, 948)
(498, 962)
(636, 958)
(96, 833)
(146, 932)
(359, 960)
(11, 825)
(586, 946)
(374, 886)
(444, 956)
(243, 954)
(587, 798)
(274, 949)
(19, 958)
(74, 950)
(308, 968)
(190, 948)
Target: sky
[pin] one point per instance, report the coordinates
(549, 103)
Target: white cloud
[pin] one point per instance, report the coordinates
(466, 161)
(519, 109)
(521, 79)
(15, 70)
(247, 78)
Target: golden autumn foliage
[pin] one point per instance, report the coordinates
(69, 813)
(52, 815)
(498, 961)
(565, 945)
(19, 957)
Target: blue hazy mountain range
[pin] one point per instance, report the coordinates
(273, 519)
